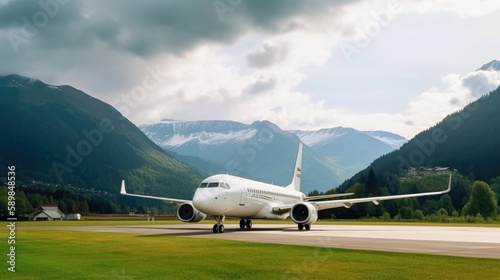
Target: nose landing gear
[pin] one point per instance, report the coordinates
(219, 227)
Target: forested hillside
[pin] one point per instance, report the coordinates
(467, 140)
(62, 138)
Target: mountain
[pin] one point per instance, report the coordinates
(350, 148)
(260, 151)
(467, 140)
(263, 151)
(61, 135)
(491, 66)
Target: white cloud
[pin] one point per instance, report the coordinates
(264, 55)
(433, 105)
(464, 9)
(210, 83)
(210, 74)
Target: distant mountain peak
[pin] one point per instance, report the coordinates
(16, 80)
(20, 81)
(491, 66)
(327, 135)
(16, 76)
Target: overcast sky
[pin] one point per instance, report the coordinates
(371, 65)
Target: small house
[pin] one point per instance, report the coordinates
(47, 213)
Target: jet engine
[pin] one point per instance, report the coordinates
(304, 213)
(188, 214)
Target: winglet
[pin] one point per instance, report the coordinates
(123, 191)
(449, 185)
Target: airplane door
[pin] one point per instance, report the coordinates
(243, 197)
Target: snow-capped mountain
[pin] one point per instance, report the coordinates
(395, 141)
(350, 148)
(259, 151)
(491, 66)
(325, 136)
(263, 151)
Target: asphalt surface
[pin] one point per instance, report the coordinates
(454, 241)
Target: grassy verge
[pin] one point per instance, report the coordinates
(92, 255)
(102, 221)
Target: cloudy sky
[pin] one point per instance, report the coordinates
(372, 65)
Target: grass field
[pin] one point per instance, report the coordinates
(47, 254)
(123, 221)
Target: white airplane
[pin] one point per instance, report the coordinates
(223, 196)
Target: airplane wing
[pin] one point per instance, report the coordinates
(347, 203)
(317, 197)
(164, 199)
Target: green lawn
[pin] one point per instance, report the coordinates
(115, 221)
(46, 254)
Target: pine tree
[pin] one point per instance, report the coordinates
(482, 201)
(371, 184)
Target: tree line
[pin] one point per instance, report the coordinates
(468, 200)
(30, 200)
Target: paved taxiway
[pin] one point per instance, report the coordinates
(455, 241)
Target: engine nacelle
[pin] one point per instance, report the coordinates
(187, 213)
(304, 213)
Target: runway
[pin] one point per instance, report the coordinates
(454, 241)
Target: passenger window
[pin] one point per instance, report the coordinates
(213, 185)
(203, 185)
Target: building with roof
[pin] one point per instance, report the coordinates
(47, 213)
(420, 171)
(76, 216)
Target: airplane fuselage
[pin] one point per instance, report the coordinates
(233, 196)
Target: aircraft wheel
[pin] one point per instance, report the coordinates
(242, 223)
(221, 229)
(249, 223)
(216, 228)
(301, 226)
(308, 227)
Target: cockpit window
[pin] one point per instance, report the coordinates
(227, 186)
(213, 185)
(203, 185)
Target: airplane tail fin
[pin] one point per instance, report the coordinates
(122, 190)
(295, 184)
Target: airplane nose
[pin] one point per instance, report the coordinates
(202, 201)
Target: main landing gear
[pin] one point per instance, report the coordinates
(219, 227)
(302, 226)
(245, 223)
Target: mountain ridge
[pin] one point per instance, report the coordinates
(62, 135)
(466, 140)
(225, 141)
(493, 65)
